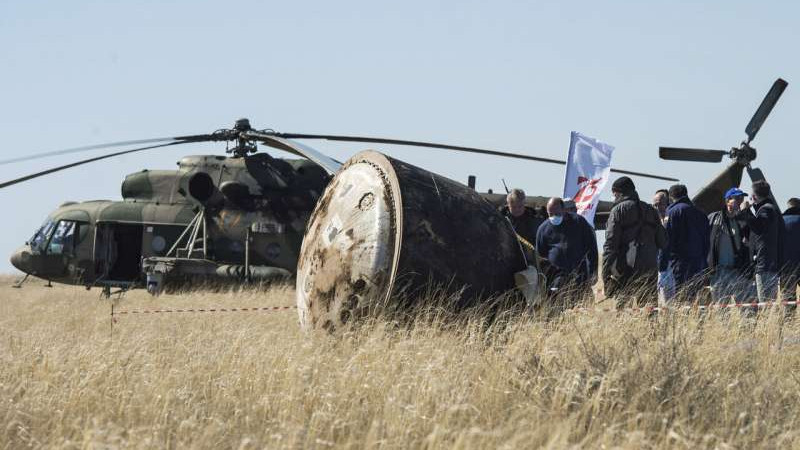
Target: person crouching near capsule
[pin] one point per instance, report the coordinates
(567, 246)
(729, 253)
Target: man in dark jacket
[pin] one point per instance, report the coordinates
(688, 240)
(633, 237)
(766, 236)
(729, 254)
(567, 244)
(525, 220)
(791, 250)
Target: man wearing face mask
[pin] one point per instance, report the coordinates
(568, 246)
(729, 255)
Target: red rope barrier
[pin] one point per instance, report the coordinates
(192, 310)
(690, 307)
(203, 310)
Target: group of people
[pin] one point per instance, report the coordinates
(668, 249)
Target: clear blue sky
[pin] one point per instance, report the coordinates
(511, 75)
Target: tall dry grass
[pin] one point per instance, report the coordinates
(254, 380)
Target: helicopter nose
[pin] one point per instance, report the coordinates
(21, 259)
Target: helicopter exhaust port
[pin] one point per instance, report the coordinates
(201, 187)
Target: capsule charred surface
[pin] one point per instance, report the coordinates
(383, 226)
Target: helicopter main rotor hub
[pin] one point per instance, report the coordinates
(244, 145)
(743, 154)
(242, 124)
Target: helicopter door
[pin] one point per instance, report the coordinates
(118, 251)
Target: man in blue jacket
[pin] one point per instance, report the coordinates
(688, 235)
(568, 246)
(791, 250)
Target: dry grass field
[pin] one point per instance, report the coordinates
(254, 380)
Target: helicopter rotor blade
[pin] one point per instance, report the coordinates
(329, 164)
(644, 175)
(194, 138)
(85, 161)
(374, 140)
(765, 108)
(755, 174)
(691, 154)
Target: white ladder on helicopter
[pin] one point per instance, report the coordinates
(196, 232)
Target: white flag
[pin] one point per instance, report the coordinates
(588, 170)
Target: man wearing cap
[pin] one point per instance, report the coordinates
(791, 253)
(633, 237)
(688, 241)
(766, 239)
(729, 255)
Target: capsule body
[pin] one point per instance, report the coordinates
(384, 226)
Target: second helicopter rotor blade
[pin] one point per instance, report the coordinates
(691, 154)
(85, 161)
(84, 148)
(765, 108)
(644, 175)
(330, 165)
(374, 140)
(191, 138)
(756, 174)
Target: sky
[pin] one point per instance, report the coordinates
(509, 75)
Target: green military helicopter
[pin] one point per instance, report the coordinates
(209, 218)
(228, 218)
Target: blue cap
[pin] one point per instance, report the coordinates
(735, 192)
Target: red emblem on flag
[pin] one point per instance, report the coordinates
(586, 190)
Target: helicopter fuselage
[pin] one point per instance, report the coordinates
(255, 209)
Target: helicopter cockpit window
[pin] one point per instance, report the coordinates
(64, 238)
(39, 240)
